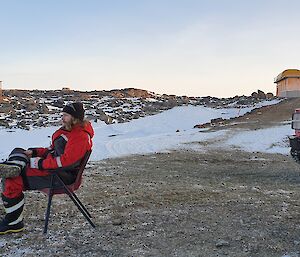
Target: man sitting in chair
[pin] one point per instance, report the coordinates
(30, 169)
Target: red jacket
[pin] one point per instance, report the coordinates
(67, 148)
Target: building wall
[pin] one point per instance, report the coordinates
(288, 87)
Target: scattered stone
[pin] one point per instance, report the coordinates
(117, 222)
(221, 243)
(200, 126)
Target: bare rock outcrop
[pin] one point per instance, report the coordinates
(37, 108)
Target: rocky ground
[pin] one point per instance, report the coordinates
(214, 202)
(183, 203)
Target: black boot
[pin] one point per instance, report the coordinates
(13, 221)
(15, 163)
(8, 170)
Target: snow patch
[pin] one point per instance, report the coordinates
(171, 129)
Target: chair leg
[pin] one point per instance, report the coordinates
(77, 202)
(82, 210)
(47, 213)
(81, 204)
(50, 195)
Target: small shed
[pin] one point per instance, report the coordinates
(288, 83)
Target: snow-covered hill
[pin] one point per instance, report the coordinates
(171, 129)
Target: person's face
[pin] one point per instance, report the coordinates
(66, 120)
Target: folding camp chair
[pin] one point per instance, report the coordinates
(69, 190)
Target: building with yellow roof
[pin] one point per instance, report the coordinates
(288, 83)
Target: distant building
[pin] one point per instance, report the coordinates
(288, 83)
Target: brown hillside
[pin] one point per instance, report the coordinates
(265, 117)
(274, 113)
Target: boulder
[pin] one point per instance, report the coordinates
(269, 95)
(59, 103)
(261, 94)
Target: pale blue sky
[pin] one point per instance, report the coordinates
(196, 48)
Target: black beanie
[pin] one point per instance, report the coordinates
(75, 109)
